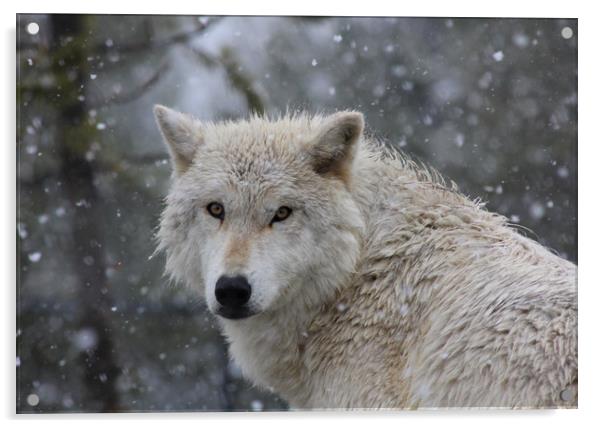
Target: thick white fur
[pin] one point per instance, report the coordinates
(385, 288)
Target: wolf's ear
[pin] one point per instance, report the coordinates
(182, 134)
(333, 150)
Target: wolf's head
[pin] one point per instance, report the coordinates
(259, 214)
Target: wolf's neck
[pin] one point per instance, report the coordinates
(269, 349)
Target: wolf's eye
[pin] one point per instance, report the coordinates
(216, 210)
(281, 214)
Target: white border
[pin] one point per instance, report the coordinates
(590, 297)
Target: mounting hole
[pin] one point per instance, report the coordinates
(33, 28)
(33, 400)
(566, 395)
(567, 32)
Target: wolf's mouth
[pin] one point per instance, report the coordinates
(235, 313)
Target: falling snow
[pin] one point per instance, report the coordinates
(35, 256)
(459, 140)
(404, 309)
(563, 172)
(537, 210)
(256, 405)
(521, 40)
(85, 339)
(341, 307)
(22, 231)
(498, 56)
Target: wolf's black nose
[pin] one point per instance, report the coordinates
(232, 292)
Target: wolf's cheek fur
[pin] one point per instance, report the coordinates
(279, 263)
(177, 236)
(308, 263)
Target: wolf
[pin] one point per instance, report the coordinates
(346, 276)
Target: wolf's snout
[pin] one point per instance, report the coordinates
(233, 293)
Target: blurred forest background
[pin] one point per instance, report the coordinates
(492, 103)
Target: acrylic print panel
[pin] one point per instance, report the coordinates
(356, 280)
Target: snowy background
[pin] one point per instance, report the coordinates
(491, 103)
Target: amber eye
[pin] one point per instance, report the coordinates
(281, 214)
(216, 210)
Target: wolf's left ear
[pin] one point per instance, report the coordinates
(182, 134)
(333, 150)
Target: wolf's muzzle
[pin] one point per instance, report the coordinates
(233, 294)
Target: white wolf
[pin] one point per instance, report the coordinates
(345, 276)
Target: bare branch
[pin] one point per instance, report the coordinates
(147, 159)
(205, 59)
(241, 81)
(238, 79)
(145, 45)
(136, 92)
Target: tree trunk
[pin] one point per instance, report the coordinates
(73, 139)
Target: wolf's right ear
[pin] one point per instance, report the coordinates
(182, 134)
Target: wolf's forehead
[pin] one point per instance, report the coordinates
(250, 178)
(260, 135)
(257, 151)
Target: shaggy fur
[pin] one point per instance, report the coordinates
(386, 288)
